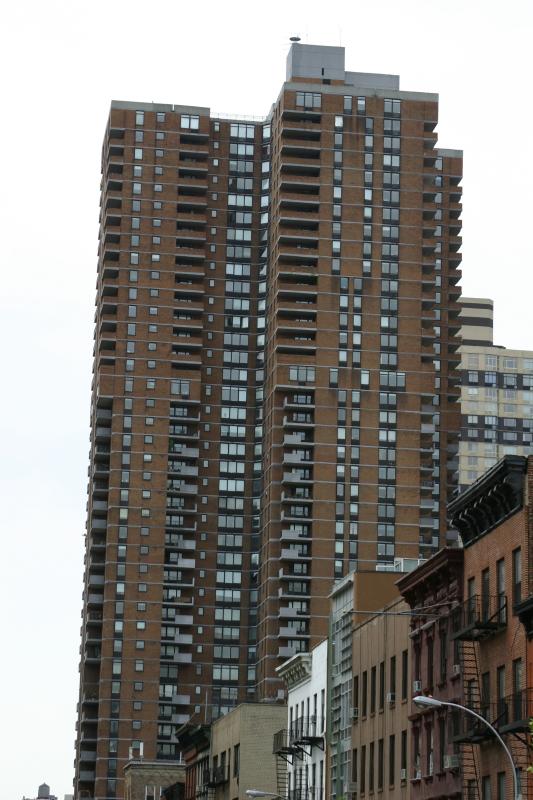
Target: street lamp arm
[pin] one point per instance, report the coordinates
(496, 734)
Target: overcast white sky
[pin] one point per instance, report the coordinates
(61, 64)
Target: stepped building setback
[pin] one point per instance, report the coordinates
(275, 391)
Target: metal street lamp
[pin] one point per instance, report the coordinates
(254, 794)
(431, 702)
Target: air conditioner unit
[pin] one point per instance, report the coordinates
(355, 713)
(417, 686)
(418, 775)
(352, 787)
(391, 698)
(451, 762)
(403, 774)
(456, 669)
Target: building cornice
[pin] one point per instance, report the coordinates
(296, 670)
(495, 496)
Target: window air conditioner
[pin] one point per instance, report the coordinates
(451, 762)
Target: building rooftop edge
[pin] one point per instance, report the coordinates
(444, 556)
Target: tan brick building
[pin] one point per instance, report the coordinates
(380, 742)
(274, 390)
(234, 754)
(150, 780)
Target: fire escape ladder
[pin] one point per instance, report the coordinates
(471, 683)
(281, 776)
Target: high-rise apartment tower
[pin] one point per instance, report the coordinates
(274, 393)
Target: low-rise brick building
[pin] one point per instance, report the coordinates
(494, 518)
(233, 754)
(150, 780)
(432, 591)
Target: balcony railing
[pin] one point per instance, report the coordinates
(216, 776)
(515, 711)
(479, 616)
(306, 730)
(510, 714)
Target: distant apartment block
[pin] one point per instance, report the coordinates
(496, 395)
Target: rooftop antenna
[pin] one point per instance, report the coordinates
(295, 39)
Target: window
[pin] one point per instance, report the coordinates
(517, 575)
(364, 697)
(308, 99)
(302, 374)
(190, 121)
(516, 711)
(405, 665)
(392, 677)
(429, 750)
(500, 783)
(485, 594)
(381, 685)
(373, 676)
(392, 107)
(500, 689)
(381, 768)
(500, 591)
(443, 655)
(429, 652)
(392, 758)
(442, 742)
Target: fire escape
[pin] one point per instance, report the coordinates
(294, 747)
(474, 622)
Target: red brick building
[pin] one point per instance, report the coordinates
(494, 518)
(432, 591)
(274, 398)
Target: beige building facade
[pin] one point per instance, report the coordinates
(241, 750)
(381, 704)
(496, 395)
(148, 780)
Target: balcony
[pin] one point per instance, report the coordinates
(295, 534)
(93, 654)
(281, 744)
(307, 731)
(216, 776)
(298, 477)
(508, 715)
(90, 694)
(478, 617)
(293, 613)
(516, 712)
(469, 730)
